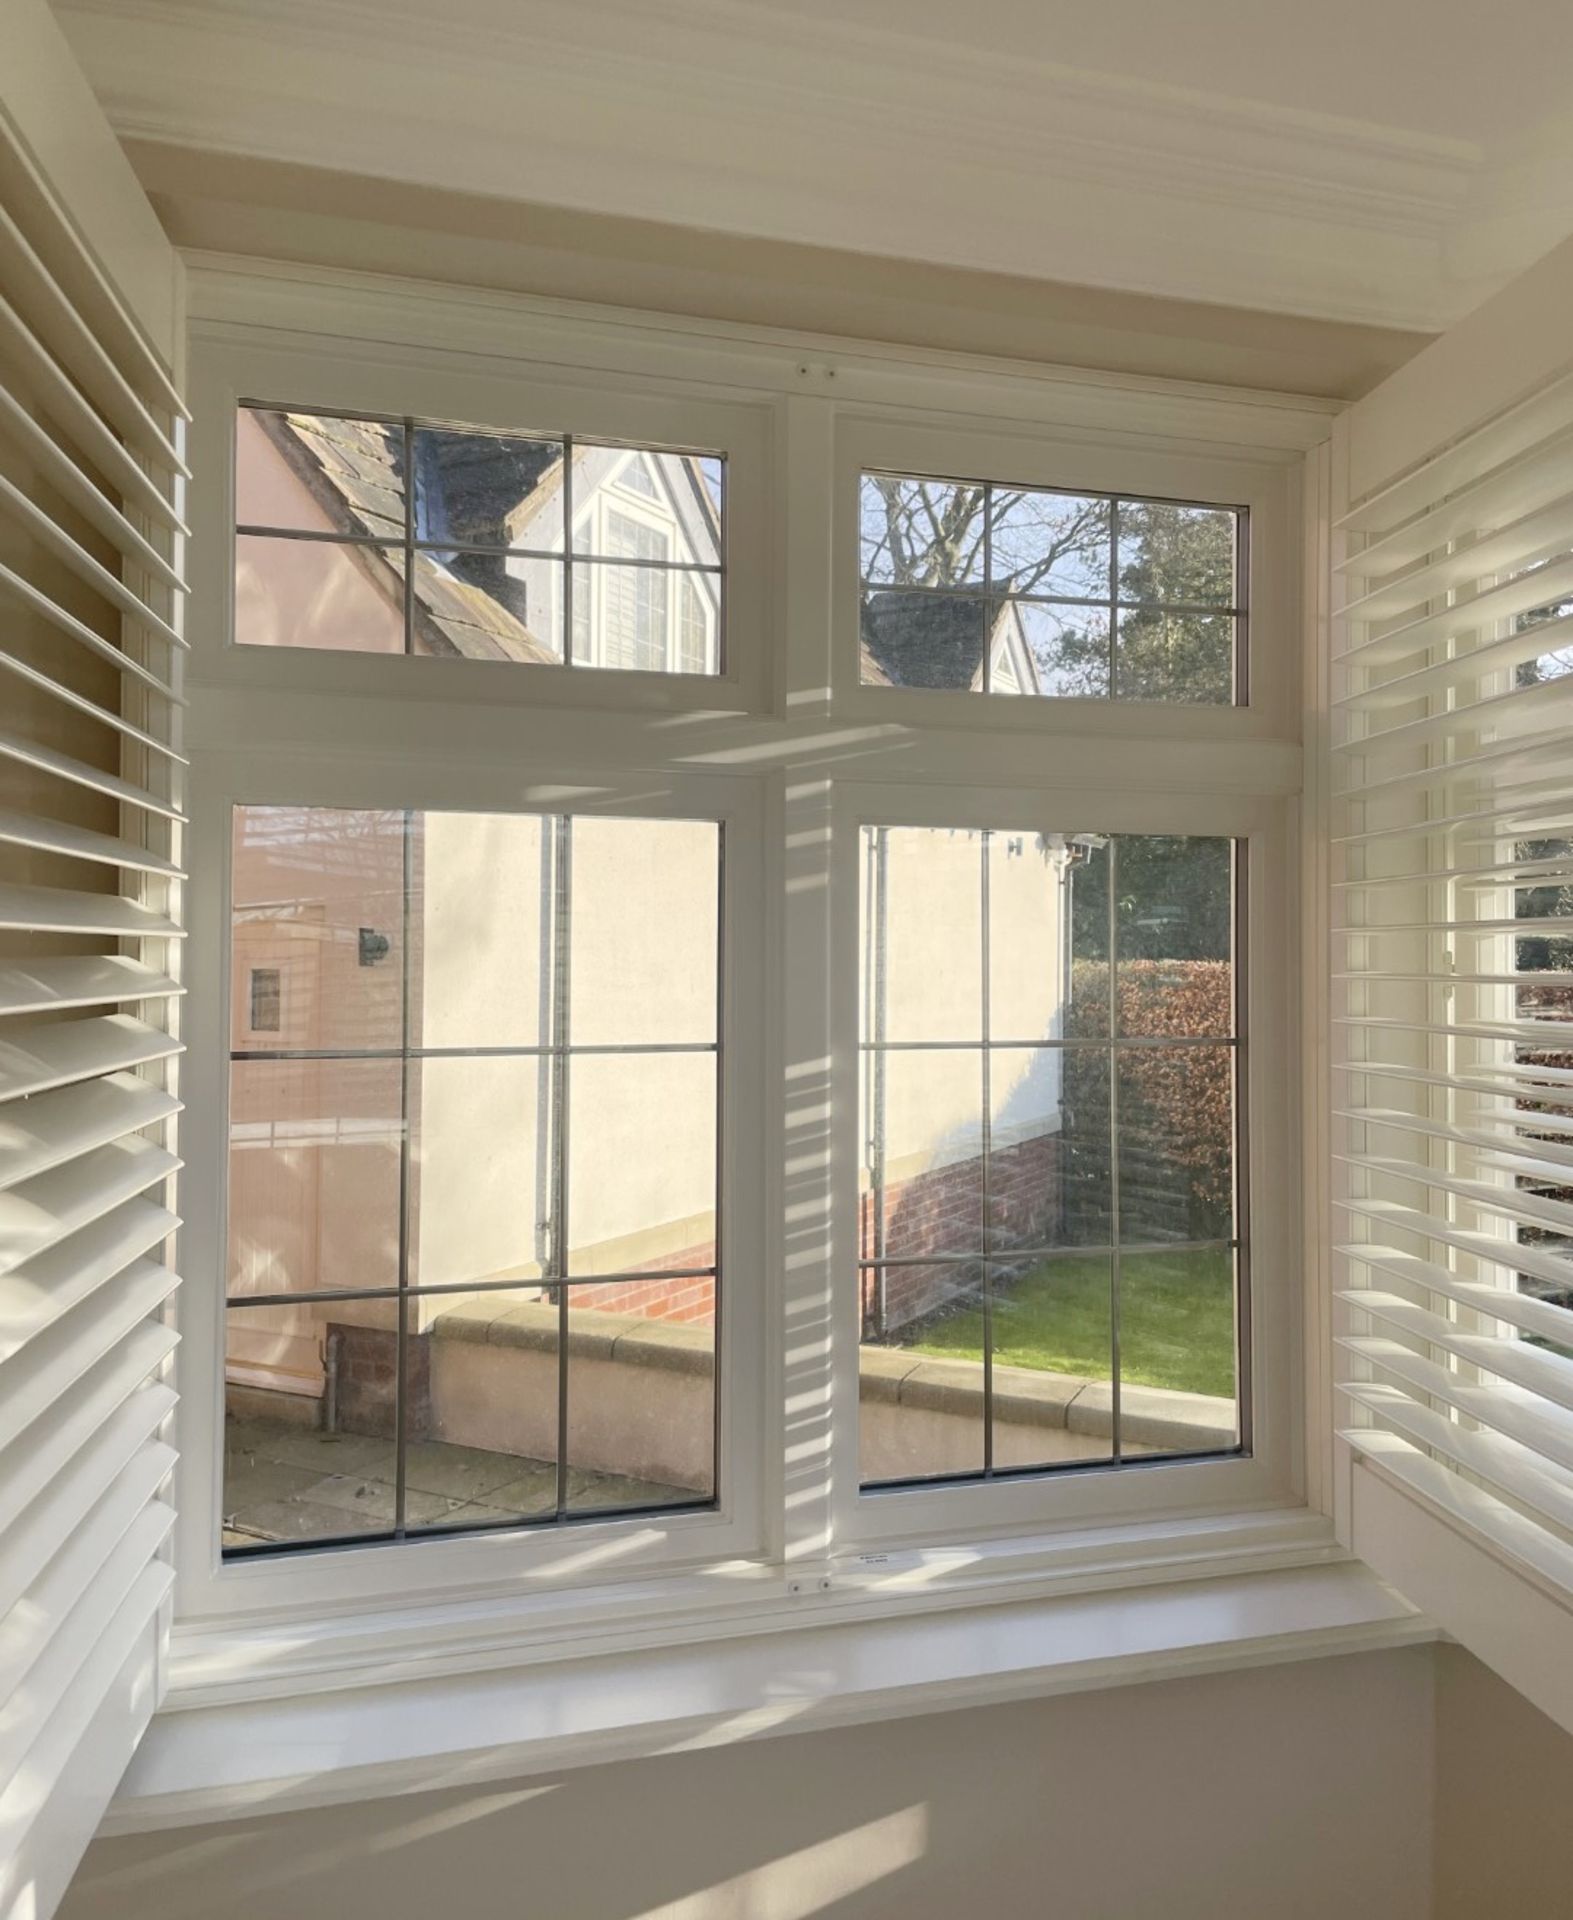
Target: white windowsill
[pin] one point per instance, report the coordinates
(318, 1747)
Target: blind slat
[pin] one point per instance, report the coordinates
(80, 773)
(1540, 1318)
(54, 1056)
(97, 980)
(79, 703)
(1521, 1416)
(38, 1214)
(47, 309)
(116, 1467)
(83, 565)
(63, 910)
(1500, 1462)
(109, 1548)
(82, 843)
(55, 1127)
(51, 1284)
(1526, 1366)
(75, 487)
(61, 402)
(1532, 537)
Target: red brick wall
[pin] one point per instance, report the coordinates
(362, 1390)
(941, 1212)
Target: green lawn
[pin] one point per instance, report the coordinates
(1176, 1320)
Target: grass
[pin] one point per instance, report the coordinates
(1176, 1320)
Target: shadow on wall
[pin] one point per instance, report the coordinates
(1022, 1811)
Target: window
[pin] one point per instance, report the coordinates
(373, 535)
(264, 999)
(973, 586)
(473, 1277)
(1048, 1252)
(723, 1116)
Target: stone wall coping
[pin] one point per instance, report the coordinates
(1150, 1417)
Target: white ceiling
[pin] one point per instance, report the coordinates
(1386, 161)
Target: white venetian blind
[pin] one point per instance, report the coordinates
(1452, 973)
(90, 810)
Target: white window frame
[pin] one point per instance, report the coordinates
(950, 1510)
(1069, 464)
(504, 396)
(792, 753)
(223, 780)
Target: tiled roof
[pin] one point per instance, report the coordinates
(918, 639)
(355, 471)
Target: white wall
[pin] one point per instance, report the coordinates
(1285, 1793)
(1504, 1799)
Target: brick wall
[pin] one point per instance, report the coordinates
(362, 1385)
(941, 1211)
(688, 1301)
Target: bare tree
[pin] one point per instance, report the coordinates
(941, 533)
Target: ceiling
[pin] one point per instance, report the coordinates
(1388, 162)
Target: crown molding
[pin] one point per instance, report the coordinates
(744, 118)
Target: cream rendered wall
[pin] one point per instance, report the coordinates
(1283, 1793)
(933, 973)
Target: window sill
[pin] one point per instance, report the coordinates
(838, 1661)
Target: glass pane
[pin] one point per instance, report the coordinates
(1176, 935)
(1048, 935)
(309, 1450)
(922, 946)
(318, 474)
(1175, 555)
(922, 533)
(630, 503)
(920, 1398)
(1175, 656)
(641, 1394)
(314, 1175)
(1066, 649)
(1055, 544)
(488, 490)
(1177, 1351)
(643, 932)
(924, 639)
(482, 925)
(487, 606)
(1049, 1183)
(642, 1161)
(1051, 1322)
(630, 619)
(921, 1176)
(481, 1169)
(481, 1408)
(1176, 1143)
(320, 594)
(318, 900)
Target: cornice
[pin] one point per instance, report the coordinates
(740, 117)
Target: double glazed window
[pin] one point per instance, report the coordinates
(1047, 1241)
(385, 536)
(500, 1019)
(472, 1196)
(977, 587)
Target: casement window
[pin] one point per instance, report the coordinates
(1029, 590)
(512, 1227)
(376, 535)
(1049, 1267)
(472, 1176)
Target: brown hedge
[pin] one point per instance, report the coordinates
(1177, 1104)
